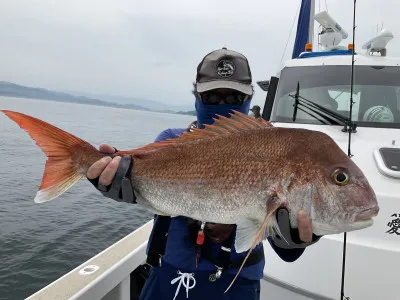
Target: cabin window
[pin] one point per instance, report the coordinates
(376, 93)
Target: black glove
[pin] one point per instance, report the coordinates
(290, 237)
(120, 188)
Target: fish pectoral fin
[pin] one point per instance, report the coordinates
(248, 230)
(251, 231)
(246, 233)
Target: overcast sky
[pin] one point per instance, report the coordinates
(150, 49)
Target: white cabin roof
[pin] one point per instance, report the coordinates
(343, 60)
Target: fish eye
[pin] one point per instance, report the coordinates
(340, 177)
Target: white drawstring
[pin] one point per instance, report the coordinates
(184, 278)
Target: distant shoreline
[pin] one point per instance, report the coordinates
(108, 104)
(8, 89)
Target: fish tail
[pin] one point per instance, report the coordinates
(258, 239)
(64, 166)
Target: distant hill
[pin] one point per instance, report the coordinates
(15, 90)
(150, 104)
(191, 113)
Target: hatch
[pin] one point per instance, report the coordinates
(388, 161)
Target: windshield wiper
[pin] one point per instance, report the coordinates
(321, 113)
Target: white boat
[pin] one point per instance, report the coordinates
(373, 254)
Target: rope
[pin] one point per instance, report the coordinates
(184, 279)
(291, 29)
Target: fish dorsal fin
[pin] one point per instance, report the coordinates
(250, 121)
(222, 126)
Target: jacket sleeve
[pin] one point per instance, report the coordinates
(288, 255)
(170, 133)
(164, 135)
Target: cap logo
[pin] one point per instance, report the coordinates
(225, 68)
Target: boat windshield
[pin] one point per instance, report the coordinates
(376, 93)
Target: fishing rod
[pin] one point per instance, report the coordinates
(350, 129)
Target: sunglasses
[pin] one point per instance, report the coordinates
(211, 98)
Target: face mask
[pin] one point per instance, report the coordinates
(206, 113)
(251, 114)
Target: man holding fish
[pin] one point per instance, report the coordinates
(217, 189)
(202, 253)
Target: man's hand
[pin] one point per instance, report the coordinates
(104, 168)
(111, 176)
(290, 237)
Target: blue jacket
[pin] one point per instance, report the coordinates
(179, 254)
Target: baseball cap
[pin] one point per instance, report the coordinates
(224, 68)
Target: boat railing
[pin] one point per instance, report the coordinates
(105, 276)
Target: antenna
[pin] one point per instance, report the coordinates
(332, 33)
(378, 43)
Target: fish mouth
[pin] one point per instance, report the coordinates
(367, 214)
